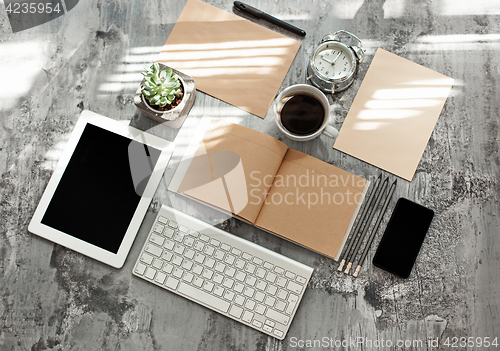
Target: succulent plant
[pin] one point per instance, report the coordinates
(160, 86)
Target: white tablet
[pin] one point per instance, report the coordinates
(102, 186)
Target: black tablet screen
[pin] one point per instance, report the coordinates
(101, 187)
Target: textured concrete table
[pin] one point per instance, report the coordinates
(54, 299)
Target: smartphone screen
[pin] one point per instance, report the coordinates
(398, 249)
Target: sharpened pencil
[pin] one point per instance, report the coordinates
(354, 252)
(361, 219)
(375, 229)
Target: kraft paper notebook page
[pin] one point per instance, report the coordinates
(229, 57)
(260, 180)
(393, 114)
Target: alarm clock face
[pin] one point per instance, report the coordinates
(333, 61)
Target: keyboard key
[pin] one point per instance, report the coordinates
(198, 281)
(208, 286)
(189, 241)
(172, 283)
(270, 301)
(240, 276)
(261, 285)
(278, 333)
(259, 296)
(289, 275)
(247, 317)
(294, 287)
(236, 311)
(179, 249)
(239, 263)
(270, 323)
(163, 220)
(225, 247)
(187, 265)
(150, 273)
(199, 258)
(281, 282)
(197, 269)
(156, 239)
(292, 301)
(169, 244)
(153, 249)
(140, 268)
(177, 272)
(235, 251)
(200, 295)
(218, 278)
(229, 259)
(210, 262)
(168, 232)
(280, 306)
(219, 255)
(257, 261)
(279, 270)
(199, 246)
(261, 273)
(159, 228)
(147, 258)
(189, 254)
(219, 267)
(230, 271)
(173, 224)
(257, 323)
(167, 255)
(160, 277)
(238, 287)
(300, 279)
(247, 256)
(215, 242)
(188, 277)
(218, 291)
(260, 309)
(282, 294)
(194, 233)
(251, 280)
(183, 229)
(179, 237)
(177, 260)
(250, 304)
(248, 291)
(168, 268)
(267, 328)
(207, 273)
(268, 265)
(239, 300)
(204, 238)
(157, 263)
(209, 250)
(277, 316)
(250, 268)
(228, 283)
(271, 289)
(229, 295)
(271, 277)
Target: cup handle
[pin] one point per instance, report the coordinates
(330, 132)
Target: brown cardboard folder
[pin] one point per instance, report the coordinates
(260, 180)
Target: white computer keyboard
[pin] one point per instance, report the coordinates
(223, 272)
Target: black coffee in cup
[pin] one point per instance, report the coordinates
(302, 114)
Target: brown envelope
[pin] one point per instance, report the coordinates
(393, 114)
(229, 57)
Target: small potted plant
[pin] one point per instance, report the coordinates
(165, 94)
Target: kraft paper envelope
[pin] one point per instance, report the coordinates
(393, 114)
(229, 57)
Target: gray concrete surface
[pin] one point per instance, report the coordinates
(54, 299)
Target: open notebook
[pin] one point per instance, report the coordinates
(260, 180)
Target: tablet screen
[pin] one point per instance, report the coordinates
(99, 190)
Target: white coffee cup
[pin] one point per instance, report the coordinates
(304, 89)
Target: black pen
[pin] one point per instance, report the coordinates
(262, 15)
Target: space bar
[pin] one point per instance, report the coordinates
(201, 296)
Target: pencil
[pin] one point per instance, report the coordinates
(365, 228)
(375, 229)
(361, 219)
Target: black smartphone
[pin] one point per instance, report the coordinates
(398, 249)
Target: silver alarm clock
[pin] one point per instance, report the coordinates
(334, 63)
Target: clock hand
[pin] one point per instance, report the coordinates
(323, 57)
(335, 59)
